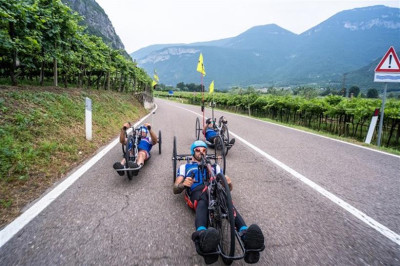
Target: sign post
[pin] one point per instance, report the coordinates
(388, 70)
(382, 112)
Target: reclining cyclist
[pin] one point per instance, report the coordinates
(210, 131)
(191, 177)
(145, 144)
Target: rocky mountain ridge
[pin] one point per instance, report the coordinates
(269, 55)
(97, 21)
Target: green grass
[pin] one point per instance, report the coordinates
(42, 136)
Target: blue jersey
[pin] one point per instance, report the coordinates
(145, 144)
(210, 133)
(192, 170)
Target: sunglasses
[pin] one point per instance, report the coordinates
(203, 150)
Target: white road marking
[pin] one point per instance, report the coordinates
(357, 213)
(321, 136)
(14, 227)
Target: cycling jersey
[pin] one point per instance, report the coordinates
(193, 170)
(210, 134)
(145, 144)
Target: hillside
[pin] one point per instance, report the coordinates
(42, 137)
(269, 55)
(97, 22)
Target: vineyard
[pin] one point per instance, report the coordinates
(346, 117)
(42, 41)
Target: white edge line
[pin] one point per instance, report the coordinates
(314, 134)
(357, 213)
(21, 221)
(306, 132)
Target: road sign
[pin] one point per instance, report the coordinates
(388, 69)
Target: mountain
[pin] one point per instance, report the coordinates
(269, 55)
(97, 22)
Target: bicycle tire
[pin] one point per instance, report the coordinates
(219, 152)
(227, 222)
(159, 142)
(197, 129)
(174, 154)
(225, 137)
(127, 155)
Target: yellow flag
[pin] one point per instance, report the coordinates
(156, 76)
(153, 83)
(211, 88)
(200, 65)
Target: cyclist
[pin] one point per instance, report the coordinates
(192, 178)
(210, 131)
(145, 144)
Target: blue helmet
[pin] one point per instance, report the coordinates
(197, 143)
(144, 129)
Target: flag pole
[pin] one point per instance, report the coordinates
(200, 68)
(202, 98)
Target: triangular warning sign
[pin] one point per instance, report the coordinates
(389, 63)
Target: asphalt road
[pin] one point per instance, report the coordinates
(106, 219)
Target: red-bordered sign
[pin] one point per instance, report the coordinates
(389, 63)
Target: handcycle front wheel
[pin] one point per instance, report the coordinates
(197, 129)
(159, 142)
(174, 159)
(130, 142)
(225, 137)
(226, 223)
(123, 145)
(219, 152)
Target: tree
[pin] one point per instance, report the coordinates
(43, 38)
(355, 90)
(18, 35)
(180, 85)
(372, 93)
(305, 92)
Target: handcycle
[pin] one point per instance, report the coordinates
(222, 132)
(218, 146)
(130, 149)
(220, 208)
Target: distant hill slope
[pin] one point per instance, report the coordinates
(272, 56)
(97, 22)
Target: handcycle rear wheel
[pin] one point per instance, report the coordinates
(225, 137)
(174, 163)
(130, 142)
(159, 142)
(219, 152)
(226, 223)
(197, 129)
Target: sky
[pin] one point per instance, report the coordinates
(140, 23)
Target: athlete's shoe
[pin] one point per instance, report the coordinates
(208, 241)
(132, 164)
(232, 141)
(117, 166)
(253, 238)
